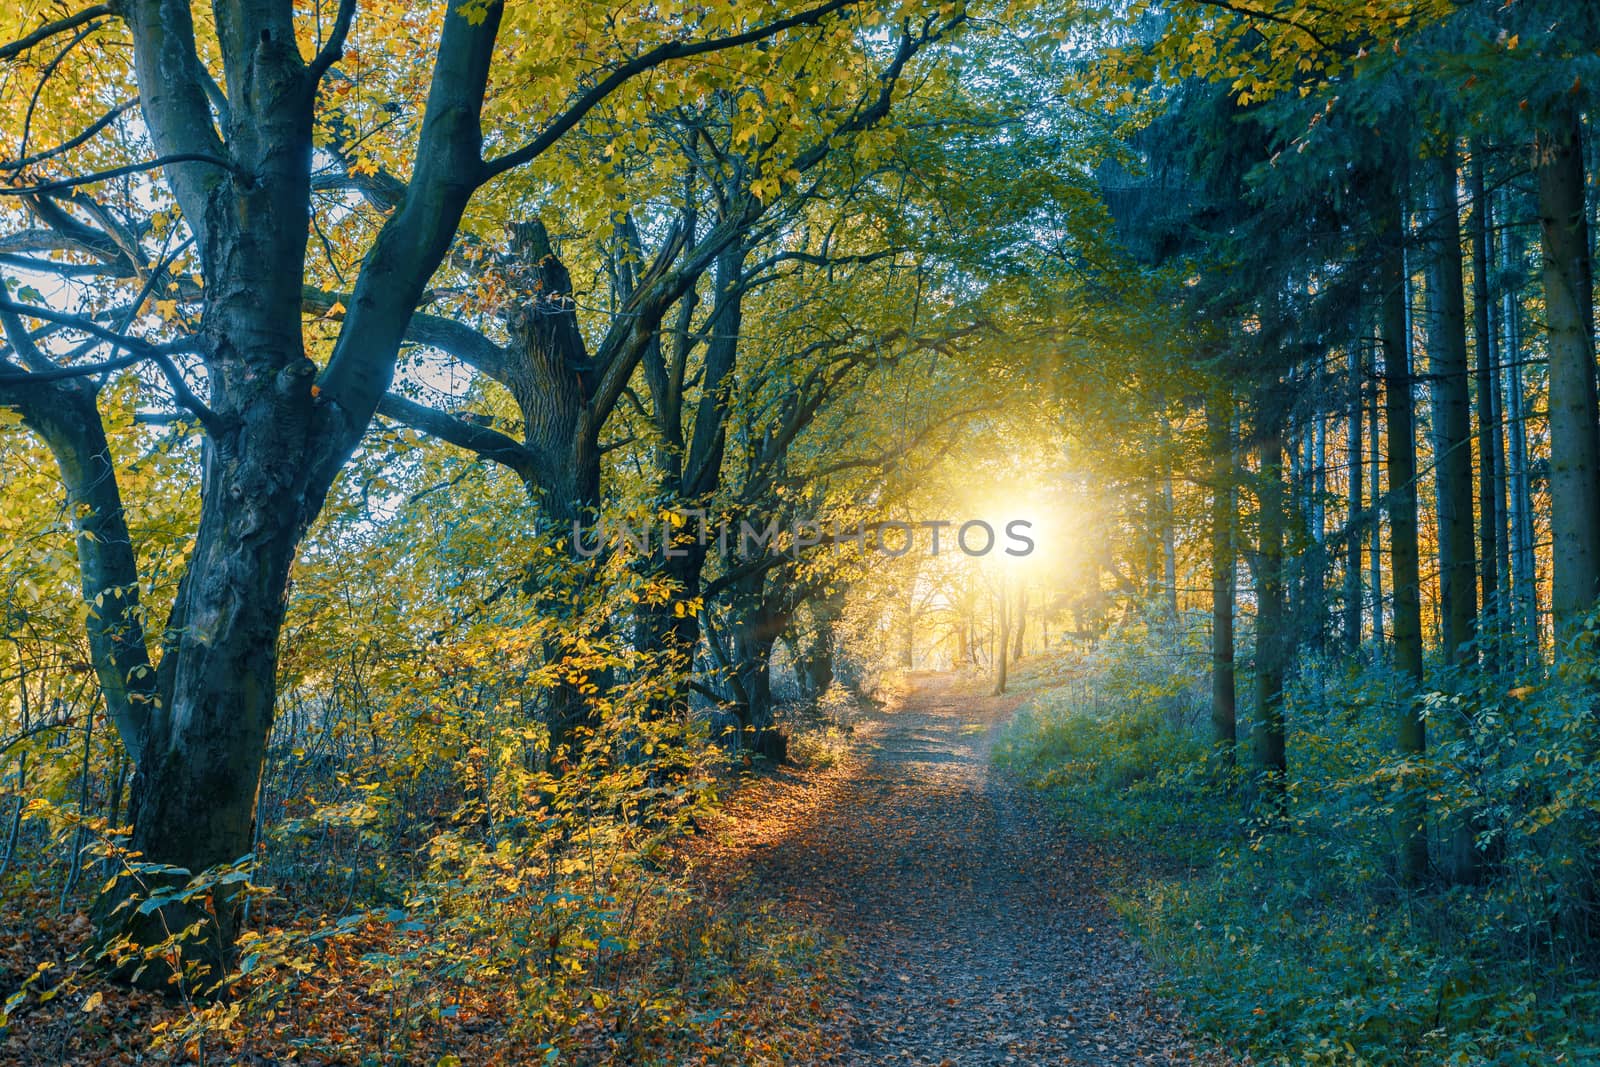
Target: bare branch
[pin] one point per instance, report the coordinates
(50, 29)
(72, 142)
(115, 172)
(436, 331)
(138, 350)
(488, 443)
(333, 49)
(643, 62)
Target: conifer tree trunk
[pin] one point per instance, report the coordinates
(1574, 436)
(1271, 641)
(1375, 424)
(1317, 579)
(1355, 503)
(1524, 600)
(1452, 405)
(1491, 454)
(1404, 565)
(1224, 697)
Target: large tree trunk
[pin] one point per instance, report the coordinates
(758, 621)
(1491, 454)
(1452, 421)
(66, 415)
(548, 376)
(200, 759)
(1524, 602)
(194, 799)
(1452, 404)
(276, 433)
(814, 661)
(689, 467)
(1404, 563)
(1574, 437)
(1224, 698)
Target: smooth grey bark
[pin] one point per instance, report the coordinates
(274, 444)
(66, 415)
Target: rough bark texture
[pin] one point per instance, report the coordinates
(1452, 404)
(274, 443)
(1574, 438)
(1491, 453)
(1524, 592)
(1452, 415)
(759, 616)
(1402, 476)
(689, 462)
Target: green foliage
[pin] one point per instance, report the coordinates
(1297, 942)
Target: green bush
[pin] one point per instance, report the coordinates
(1296, 942)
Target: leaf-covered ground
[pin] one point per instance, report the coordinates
(973, 929)
(976, 922)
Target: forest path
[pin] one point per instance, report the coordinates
(977, 923)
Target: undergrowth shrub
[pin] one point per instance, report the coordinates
(1296, 941)
(433, 886)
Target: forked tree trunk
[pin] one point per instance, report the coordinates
(277, 433)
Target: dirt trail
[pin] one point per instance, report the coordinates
(977, 923)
